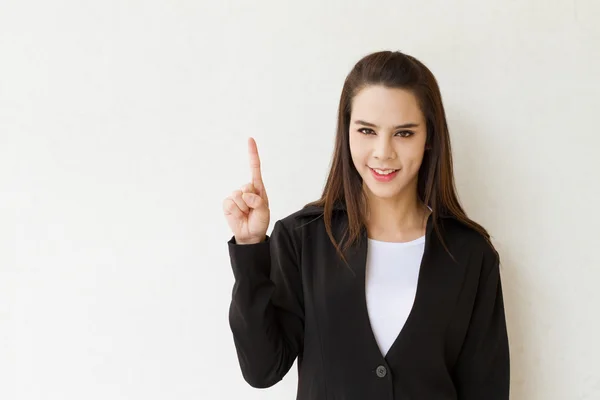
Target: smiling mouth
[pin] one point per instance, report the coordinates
(384, 172)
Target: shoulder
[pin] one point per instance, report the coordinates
(308, 213)
(468, 239)
(471, 244)
(308, 220)
(294, 220)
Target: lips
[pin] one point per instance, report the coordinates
(384, 169)
(384, 177)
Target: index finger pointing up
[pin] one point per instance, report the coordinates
(255, 165)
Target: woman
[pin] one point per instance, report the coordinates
(383, 288)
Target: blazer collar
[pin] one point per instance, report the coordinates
(317, 211)
(309, 211)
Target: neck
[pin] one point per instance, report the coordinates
(402, 217)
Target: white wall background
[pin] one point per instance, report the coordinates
(123, 125)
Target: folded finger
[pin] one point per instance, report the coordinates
(237, 198)
(231, 208)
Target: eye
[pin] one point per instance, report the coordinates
(364, 131)
(405, 134)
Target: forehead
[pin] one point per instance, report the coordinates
(385, 105)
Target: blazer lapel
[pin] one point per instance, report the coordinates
(353, 294)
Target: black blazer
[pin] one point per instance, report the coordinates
(294, 297)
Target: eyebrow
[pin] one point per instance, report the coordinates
(407, 125)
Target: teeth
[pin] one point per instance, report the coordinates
(382, 172)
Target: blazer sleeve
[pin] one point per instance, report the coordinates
(483, 366)
(266, 314)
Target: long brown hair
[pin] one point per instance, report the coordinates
(435, 186)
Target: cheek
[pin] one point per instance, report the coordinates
(356, 160)
(414, 164)
(355, 151)
(411, 153)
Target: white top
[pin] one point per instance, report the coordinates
(391, 285)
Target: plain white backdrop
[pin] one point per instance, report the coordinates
(123, 125)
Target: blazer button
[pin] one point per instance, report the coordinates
(381, 371)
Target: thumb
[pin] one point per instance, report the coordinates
(252, 200)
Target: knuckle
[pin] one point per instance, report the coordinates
(241, 203)
(228, 204)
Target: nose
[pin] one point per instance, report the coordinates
(383, 148)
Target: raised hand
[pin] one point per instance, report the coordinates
(247, 210)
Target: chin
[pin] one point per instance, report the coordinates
(384, 193)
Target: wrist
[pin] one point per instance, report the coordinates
(251, 241)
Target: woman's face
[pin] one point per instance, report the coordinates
(387, 131)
